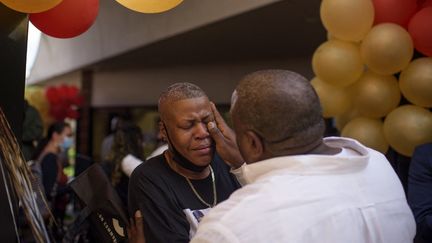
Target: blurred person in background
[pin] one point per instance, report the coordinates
(32, 130)
(107, 142)
(54, 180)
(126, 153)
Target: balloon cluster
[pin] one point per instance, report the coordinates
(58, 18)
(70, 18)
(54, 103)
(64, 101)
(365, 71)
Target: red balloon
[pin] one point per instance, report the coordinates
(394, 11)
(68, 19)
(420, 29)
(424, 3)
(64, 101)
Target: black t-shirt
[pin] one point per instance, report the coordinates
(169, 206)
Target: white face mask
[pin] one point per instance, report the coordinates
(67, 143)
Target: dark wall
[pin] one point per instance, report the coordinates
(13, 47)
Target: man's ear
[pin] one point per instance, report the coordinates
(163, 132)
(256, 145)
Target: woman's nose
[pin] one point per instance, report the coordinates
(202, 131)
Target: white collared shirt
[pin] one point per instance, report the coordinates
(354, 197)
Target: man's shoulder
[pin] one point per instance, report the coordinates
(49, 158)
(238, 204)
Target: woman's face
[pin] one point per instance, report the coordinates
(66, 134)
(186, 128)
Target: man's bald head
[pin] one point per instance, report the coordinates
(281, 107)
(176, 92)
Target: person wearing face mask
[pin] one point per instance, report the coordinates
(177, 188)
(54, 181)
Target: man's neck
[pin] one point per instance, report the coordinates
(183, 171)
(316, 147)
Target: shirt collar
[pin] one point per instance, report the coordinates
(311, 164)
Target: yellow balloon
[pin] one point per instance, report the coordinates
(407, 127)
(36, 97)
(31, 6)
(367, 131)
(387, 49)
(416, 82)
(341, 120)
(334, 100)
(346, 19)
(337, 62)
(375, 95)
(150, 6)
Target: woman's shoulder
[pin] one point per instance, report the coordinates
(48, 157)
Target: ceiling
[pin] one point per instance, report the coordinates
(282, 30)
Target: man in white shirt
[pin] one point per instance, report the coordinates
(298, 186)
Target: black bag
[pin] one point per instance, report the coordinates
(103, 213)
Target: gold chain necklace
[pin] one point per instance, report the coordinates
(199, 197)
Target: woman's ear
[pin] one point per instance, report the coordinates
(256, 146)
(56, 138)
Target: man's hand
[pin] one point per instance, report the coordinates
(225, 139)
(136, 229)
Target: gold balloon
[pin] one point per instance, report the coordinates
(341, 120)
(334, 100)
(416, 82)
(337, 62)
(150, 6)
(387, 49)
(367, 131)
(407, 127)
(347, 20)
(375, 95)
(31, 6)
(36, 97)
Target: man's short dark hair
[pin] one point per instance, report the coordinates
(280, 106)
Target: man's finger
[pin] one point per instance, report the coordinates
(215, 133)
(138, 221)
(139, 228)
(220, 122)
